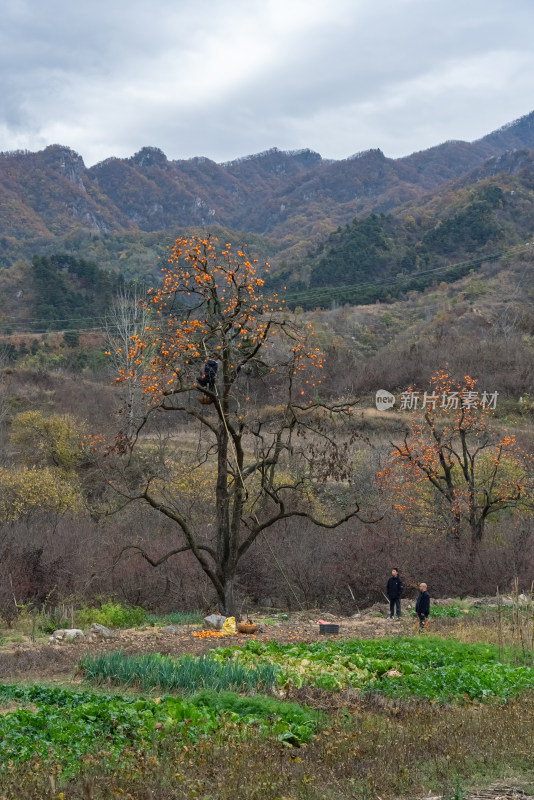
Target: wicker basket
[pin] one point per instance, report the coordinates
(246, 627)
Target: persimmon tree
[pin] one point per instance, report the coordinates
(255, 444)
(454, 459)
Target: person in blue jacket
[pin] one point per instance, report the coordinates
(422, 605)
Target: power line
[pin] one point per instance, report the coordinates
(341, 292)
(40, 326)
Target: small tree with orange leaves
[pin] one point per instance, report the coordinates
(264, 441)
(453, 460)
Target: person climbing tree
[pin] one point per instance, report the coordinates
(255, 466)
(207, 379)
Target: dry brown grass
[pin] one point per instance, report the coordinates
(505, 626)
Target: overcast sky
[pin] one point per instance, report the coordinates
(227, 78)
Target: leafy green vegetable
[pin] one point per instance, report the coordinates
(68, 725)
(187, 673)
(432, 668)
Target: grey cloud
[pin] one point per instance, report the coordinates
(110, 77)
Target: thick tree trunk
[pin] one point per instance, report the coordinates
(229, 599)
(225, 595)
(476, 524)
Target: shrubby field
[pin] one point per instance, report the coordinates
(390, 717)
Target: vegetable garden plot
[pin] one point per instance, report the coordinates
(430, 668)
(187, 674)
(69, 726)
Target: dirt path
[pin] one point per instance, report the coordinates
(49, 662)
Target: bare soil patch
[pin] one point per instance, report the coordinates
(48, 662)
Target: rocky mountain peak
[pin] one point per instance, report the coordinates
(65, 161)
(150, 157)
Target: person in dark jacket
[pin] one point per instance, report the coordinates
(422, 605)
(394, 592)
(207, 379)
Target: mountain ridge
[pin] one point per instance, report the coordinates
(51, 200)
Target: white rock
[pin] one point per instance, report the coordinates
(215, 621)
(98, 631)
(66, 635)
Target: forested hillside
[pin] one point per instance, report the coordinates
(51, 202)
(446, 233)
(442, 237)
